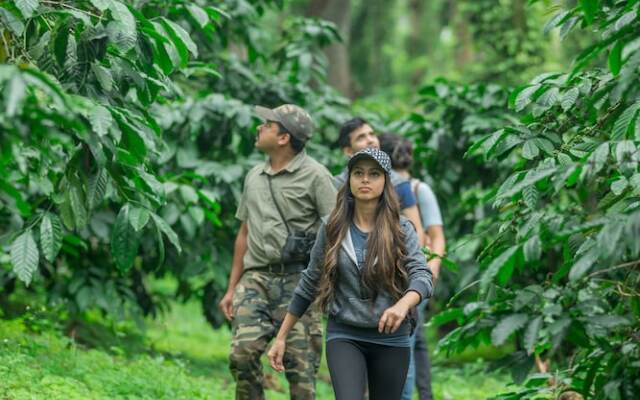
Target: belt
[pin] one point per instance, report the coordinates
(282, 268)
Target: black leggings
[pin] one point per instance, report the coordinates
(352, 363)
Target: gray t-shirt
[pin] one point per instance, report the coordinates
(359, 240)
(427, 204)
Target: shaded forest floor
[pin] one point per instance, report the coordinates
(176, 357)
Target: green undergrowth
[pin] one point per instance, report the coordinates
(177, 356)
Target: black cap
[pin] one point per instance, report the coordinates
(374, 154)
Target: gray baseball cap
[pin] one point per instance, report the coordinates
(374, 154)
(294, 119)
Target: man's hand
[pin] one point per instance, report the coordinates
(226, 305)
(276, 354)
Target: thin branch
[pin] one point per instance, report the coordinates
(6, 45)
(620, 266)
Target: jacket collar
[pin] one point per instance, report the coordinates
(347, 245)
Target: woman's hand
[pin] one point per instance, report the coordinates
(392, 317)
(276, 354)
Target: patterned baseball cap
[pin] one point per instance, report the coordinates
(374, 154)
(294, 119)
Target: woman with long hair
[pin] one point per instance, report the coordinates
(367, 273)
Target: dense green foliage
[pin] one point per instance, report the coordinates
(559, 268)
(111, 115)
(126, 129)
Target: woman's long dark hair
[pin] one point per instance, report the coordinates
(383, 271)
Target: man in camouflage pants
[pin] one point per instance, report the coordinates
(289, 192)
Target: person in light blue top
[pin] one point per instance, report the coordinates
(367, 272)
(401, 152)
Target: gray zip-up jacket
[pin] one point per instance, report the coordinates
(349, 306)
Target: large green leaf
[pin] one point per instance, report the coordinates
(198, 14)
(77, 203)
(181, 39)
(50, 236)
(625, 122)
(124, 241)
(166, 229)
(569, 98)
(138, 217)
(615, 58)
(27, 7)
(101, 120)
(97, 188)
(13, 22)
(15, 95)
(583, 265)
(103, 75)
(60, 42)
(502, 261)
(24, 256)
(589, 8)
(506, 327)
(120, 13)
(531, 334)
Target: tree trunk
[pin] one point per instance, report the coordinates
(338, 12)
(464, 51)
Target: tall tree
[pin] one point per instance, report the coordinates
(338, 12)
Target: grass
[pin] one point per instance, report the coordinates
(177, 357)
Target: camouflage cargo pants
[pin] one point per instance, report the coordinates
(260, 303)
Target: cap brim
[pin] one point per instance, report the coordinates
(361, 156)
(266, 113)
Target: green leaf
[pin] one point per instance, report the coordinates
(101, 5)
(530, 150)
(161, 252)
(60, 43)
(618, 186)
(625, 121)
(189, 195)
(138, 217)
(77, 202)
(530, 178)
(532, 249)
(549, 98)
(544, 145)
(166, 229)
(15, 95)
(589, 8)
(121, 14)
(24, 256)
(506, 327)
(101, 120)
(13, 22)
(524, 98)
(569, 98)
(67, 214)
(27, 7)
(615, 58)
(609, 321)
(197, 214)
(103, 76)
(200, 15)
(531, 334)
(181, 39)
(507, 257)
(530, 196)
(124, 241)
(583, 265)
(50, 236)
(97, 188)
